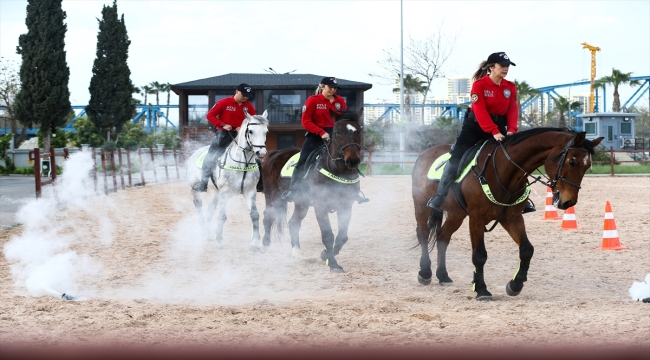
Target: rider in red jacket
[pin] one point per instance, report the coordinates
(227, 116)
(494, 113)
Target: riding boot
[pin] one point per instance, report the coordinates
(530, 207)
(260, 185)
(210, 161)
(448, 176)
(361, 197)
(296, 180)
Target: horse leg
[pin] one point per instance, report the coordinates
(269, 219)
(299, 213)
(221, 219)
(451, 225)
(343, 219)
(212, 207)
(322, 216)
(255, 218)
(479, 258)
(517, 230)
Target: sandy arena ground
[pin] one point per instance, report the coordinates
(155, 281)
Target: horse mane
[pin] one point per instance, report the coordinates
(261, 119)
(347, 115)
(518, 137)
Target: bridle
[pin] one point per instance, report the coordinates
(249, 147)
(339, 154)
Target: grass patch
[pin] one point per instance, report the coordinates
(619, 169)
(388, 169)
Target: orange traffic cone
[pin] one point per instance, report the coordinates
(550, 212)
(569, 220)
(610, 234)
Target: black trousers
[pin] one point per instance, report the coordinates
(470, 134)
(222, 139)
(312, 142)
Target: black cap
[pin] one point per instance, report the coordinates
(245, 90)
(500, 58)
(330, 81)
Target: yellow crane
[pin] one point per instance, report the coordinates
(592, 96)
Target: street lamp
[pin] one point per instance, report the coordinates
(569, 98)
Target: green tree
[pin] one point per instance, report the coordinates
(59, 139)
(166, 87)
(111, 104)
(616, 78)
(44, 98)
(412, 85)
(9, 87)
(524, 92)
(133, 136)
(563, 105)
(86, 133)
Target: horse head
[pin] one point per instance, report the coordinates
(346, 138)
(253, 134)
(566, 166)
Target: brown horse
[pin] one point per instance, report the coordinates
(505, 168)
(331, 185)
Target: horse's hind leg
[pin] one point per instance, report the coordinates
(198, 205)
(299, 213)
(255, 218)
(479, 258)
(516, 228)
(452, 223)
(221, 219)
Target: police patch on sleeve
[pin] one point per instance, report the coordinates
(506, 93)
(474, 98)
(304, 108)
(337, 106)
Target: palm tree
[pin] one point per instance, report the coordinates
(617, 78)
(166, 87)
(524, 92)
(563, 105)
(412, 85)
(146, 89)
(155, 86)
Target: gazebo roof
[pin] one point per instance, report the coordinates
(265, 81)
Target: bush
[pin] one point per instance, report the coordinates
(58, 141)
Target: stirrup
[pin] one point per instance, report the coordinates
(200, 187)
(287, 196)
(361, 198)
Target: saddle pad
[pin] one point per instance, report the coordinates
(287, 169)
(200, 158)
(438, 166)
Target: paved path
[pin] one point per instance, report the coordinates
(15, 190)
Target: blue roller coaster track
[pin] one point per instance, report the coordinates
(150, 114)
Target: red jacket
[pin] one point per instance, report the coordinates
(316, 113)
(228, 111)
(489, 98)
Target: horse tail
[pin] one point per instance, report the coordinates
(279, 224)
(435, 224)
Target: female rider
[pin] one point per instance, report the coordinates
(494, 113)
(318, 122)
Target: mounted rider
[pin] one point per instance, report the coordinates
(227, 116)
(318, 122)
(493, 114)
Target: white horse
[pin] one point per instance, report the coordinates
(236, 172)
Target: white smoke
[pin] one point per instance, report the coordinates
(641, 290)
(42, 262)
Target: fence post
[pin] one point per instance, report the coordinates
(103, 158)
(128, 162)
(113, 169)
(611, 160)
(53, 164)
(119, 158)
(164, 155)
(178, 174)
(37, 171)
(94, 154)
(141, 166)
(153, 166)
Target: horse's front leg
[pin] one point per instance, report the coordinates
(343, 218)
(212, 207)
(255, 219)
(479, 258)
(517, 229)
(221, 218)
(299, 213)
(322, 216)
(198, 205)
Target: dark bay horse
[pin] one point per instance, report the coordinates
(331, 185)
(505, 168)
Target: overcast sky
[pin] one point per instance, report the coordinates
(179, 41)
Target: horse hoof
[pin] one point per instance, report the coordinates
(323, 255)
(511, 292)
(446, 283)
(337, 270)
(254, 249)
(296, 253)
(424, 281)
(484, 298)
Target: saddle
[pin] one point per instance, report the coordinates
(290, 165)
(466, 163)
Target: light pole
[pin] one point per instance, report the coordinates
(569, 98)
